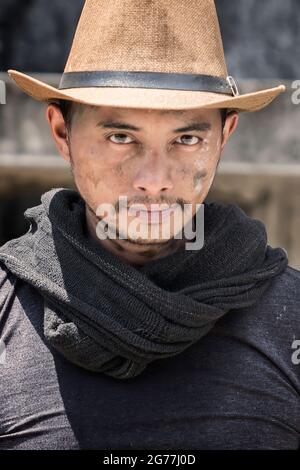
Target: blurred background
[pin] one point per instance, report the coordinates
(260, 167)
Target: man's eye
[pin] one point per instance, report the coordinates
(188, 139)
(119, 136)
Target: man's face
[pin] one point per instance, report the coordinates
(149, 156)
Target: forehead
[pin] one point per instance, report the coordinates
(127, 113)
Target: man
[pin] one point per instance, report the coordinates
(134, 340)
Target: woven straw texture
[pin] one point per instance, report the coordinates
(150, 35)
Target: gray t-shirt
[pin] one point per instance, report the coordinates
(236, 388)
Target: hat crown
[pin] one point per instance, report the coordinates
(171, 36)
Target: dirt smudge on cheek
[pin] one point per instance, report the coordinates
(94, 170)
(92, 151)
(119, 171)
(205, 145)
(210, 148)
(198, 180)
(94, 178)
(125, 169)
(87, 174)
(213, 148)
(199, 164)
(184, 171)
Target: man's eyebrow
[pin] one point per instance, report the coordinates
(192, 126)
(117, 125)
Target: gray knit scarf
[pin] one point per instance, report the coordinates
(105, 315)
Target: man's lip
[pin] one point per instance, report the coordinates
(153, 216)
(142, 209)
(149, 216)
(154, 211)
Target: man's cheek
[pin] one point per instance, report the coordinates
(86, 175)
(198, 182)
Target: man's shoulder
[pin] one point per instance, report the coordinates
(15, 293)
(288, 280)
(269, 329)
(4, 273)
(284, 289)
(282, 298)
(271, 325)
(276, 313)
(7, 282)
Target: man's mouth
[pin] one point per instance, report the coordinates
(150, 216)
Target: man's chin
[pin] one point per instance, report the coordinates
(148, 236)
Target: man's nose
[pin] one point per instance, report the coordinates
(154, 174)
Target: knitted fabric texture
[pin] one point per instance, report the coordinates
(107, 316)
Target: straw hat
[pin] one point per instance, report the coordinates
(158, 54)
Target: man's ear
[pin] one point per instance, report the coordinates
(231, 123)
(59, 130)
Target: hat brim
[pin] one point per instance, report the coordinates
(146, 97)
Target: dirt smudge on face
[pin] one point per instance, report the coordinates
(197, 179)
(184, 171)
(119, 170)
